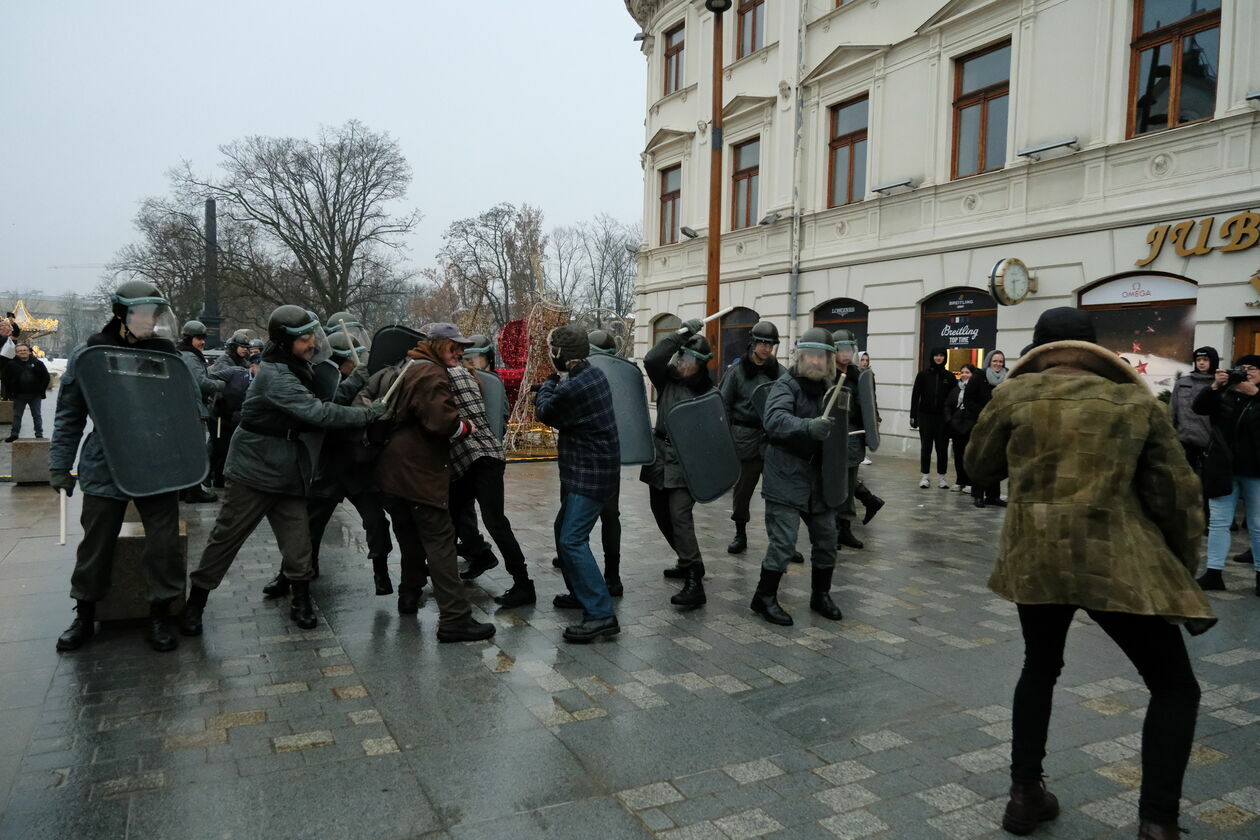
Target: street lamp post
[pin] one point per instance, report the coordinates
(713, 279)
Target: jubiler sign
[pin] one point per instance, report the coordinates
(1239, 232)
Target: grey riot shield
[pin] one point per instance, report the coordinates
(495, 395)
(143, 405)
(634, 425)
(701, 436)
(759, 396)
(326, 379)
(835, 450)
(390, 346)
(870, 414)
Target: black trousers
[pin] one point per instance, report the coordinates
(220, 440)
(960, 450)
(371, 513)
(749, 475)
(102, 519)
(1158, 651)
(932, 433)
(672, 508)
(482, 485)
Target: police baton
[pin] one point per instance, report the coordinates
(62, 494)
(397, 381)
(354, 354)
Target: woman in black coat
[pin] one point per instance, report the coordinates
(963, 405)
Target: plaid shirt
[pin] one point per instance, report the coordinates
(581, 408)
(482, 443)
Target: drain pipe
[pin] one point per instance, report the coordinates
(794, 272)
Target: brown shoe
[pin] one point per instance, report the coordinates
(1030, 804)
(1148, 830)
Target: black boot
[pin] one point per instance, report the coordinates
(1244, 557)
(278, 588)
(676, 572)
(469, 630)
(1029, 805)
(873, 505)
(159, 633)
(300, 609)
(410, 599)
(380, 574)
(796, 557)
(81, 629)
(555, 562)
(314, 566)
(765, 601)
(820, 593)
(1148, 830)
(1211, 581)
(479, 565)
(592, 629)
(190, 624)
(692, 595)
(1258, 584)
(520, 594)
(740, 543)
(612, 576)
(845, 535)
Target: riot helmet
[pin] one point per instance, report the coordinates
(602, 341)
(480, 354)
(846, 345)
(352, 324)
(256, 344)
(694, 355)
(193, 329)
(765, 332)
(289, 323)
(815, 355)
(143, 311)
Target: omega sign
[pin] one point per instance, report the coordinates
(1238, 232)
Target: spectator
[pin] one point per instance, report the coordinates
(995, 371)
(864, 364)
(1231, 466)
(9, 332)
(26, 382)
(927, 414)
(1194, 430)
(966, 400)
(1105, 518)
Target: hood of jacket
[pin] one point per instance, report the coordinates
(1076, 357)
(1213, 356)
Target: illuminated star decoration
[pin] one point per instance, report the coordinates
(1140, 367)
(1137, 348)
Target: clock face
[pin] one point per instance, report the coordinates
(1010, 282)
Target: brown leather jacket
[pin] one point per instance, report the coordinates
(416, 462)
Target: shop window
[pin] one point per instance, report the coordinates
(1175, 55)
(982, 85)
(1148, 321)
(963, 322)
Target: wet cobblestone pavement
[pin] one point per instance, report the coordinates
(893, 723)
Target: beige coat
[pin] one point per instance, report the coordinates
(1105, 512)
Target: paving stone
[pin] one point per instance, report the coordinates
(854, 825)
(753, 771)
(846, 797)
(649, 796)
(751, 823)
(303, 740)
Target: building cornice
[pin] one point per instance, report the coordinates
(643, 11)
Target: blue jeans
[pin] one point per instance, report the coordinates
(574, 524)
(1221, 514)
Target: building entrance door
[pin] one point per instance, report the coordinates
(1246, 337)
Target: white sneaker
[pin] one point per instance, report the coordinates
(967, 489)
(925, 483)
(956, 488)
(866, 462)
(942, 482)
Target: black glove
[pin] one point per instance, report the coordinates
(820, 428)
(914, 424)
(691, 327)
(62, 480)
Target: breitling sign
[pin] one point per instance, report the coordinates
(1193, 238)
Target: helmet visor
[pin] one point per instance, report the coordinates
(152, 320)
(309, 342)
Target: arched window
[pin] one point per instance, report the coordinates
(736, 327)
(846, 314)
(1147, 319)
(663, 325)
(963, 321)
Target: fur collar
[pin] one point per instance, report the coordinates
(1077, 357)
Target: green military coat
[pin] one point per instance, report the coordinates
(1105, 512)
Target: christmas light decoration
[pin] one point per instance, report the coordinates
(523, 346)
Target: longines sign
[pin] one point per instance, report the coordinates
(1238, 232)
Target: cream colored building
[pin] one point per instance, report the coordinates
(1113, 146)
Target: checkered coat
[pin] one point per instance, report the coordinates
(1105, 512)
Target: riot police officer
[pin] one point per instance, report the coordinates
(233, 369)
(141, 319)
(270, 463)
(755, 368)
(192, 342)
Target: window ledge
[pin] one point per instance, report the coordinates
(763, 54)
(681, 95)
(831, 14)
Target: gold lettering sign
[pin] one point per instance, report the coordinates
(1238, 233)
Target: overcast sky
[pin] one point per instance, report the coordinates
(491, 100)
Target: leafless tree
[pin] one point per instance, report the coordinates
(567, 280)
(496, 258)
(611, 266)
(327, 204)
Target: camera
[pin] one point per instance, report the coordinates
(1236, 375)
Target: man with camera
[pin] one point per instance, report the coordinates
(1231, 465)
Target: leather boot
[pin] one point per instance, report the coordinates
(692, 595)
(765, 601)
(1211, 581)
(300, 609)
(520, 594)
(479, 565)
(81, 629)
(1148, 830)
(278, 588)
(380, 574)
(592, 629)
(612, 576)
(159, 633)
(820, 594)
(845, 535)
(675, 572)
(740, 543)
(1029, 805)
(190, 624)
(872, 505)
(410, 599)
(469, 630)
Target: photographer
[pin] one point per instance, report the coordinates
(1231, 465)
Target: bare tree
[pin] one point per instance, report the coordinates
(326, 203)
(567, 280)
(496, 259)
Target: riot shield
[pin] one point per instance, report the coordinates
(143, 405)
(759, 396)
(495, 395)
(327, 378)
(629, 397)
(870, 414)
(701, 435)
(835, 451)
(390, 345)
